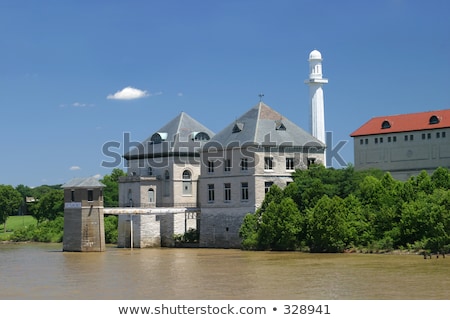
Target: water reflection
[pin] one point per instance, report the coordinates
(43, 271)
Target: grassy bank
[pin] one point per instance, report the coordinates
(14, 223)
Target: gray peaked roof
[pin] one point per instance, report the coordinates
(263, 126)
(90, 182)
(183, 134)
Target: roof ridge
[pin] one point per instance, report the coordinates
(179, 122)
(257, 121)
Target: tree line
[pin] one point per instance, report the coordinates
(46, 204)
(334, 210)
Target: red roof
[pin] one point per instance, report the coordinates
(405, 122)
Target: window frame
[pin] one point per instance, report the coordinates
(244, 191)
(227, 191)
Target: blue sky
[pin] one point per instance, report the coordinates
(62, 62)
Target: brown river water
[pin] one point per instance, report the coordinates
(43, 271)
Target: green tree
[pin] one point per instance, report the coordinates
(50, 205)
(281, 226)
(327, 225)
(427, 220)
(357, 224)
(10, 202)
(25, 191)
(111, 190)
(111, 229)
(249, 232)
(441, 178)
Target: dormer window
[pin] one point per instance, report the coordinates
(434, 120)
(200, 136)
(158, 137)
(279, 126)
(385, 125)
(238, 126)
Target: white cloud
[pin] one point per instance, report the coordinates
(80, 104)
(76, 105)
(180, 94)
(74, 168)
(128, 93)
(98, 176)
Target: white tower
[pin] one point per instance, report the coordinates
(315, 83)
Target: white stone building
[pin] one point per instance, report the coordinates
(404, 144)
(183, 176)
(241, 163)
(162, 184)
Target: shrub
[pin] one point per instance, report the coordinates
(111, 229)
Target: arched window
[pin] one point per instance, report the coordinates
(434, 120)
(385, 125)
(151, 195)
(187, 182)
(158, 137)
(200, 136)
(186, 175)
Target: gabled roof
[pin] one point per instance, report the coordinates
(181, 134)
(263, 126)
(89, 182)
(405, 122)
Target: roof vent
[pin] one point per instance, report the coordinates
(385, 125)
(434, 120)
(238, 126)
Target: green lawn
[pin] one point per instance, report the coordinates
(14, 223)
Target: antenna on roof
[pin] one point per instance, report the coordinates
(260, 96)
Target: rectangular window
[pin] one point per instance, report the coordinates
(90, 195)
(268, 163)
(227, 188)
(361, 141)
(389, 139)
(367, 141)
(244, 164)
(411, 137)
(423, 136)
(381, 140)
(406, 137)
(376, 140)
(429, 136)
(72, 195)
(267, 186)
(394, 139)
(438, 135)
(443, 134)
(289, 163)
(244, 190)
(210, 192)
(227, 164)
(210, 166)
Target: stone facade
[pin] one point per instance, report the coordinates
(153, 227)
(83, 216)
(240, 165)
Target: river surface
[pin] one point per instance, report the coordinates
(43, 271)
